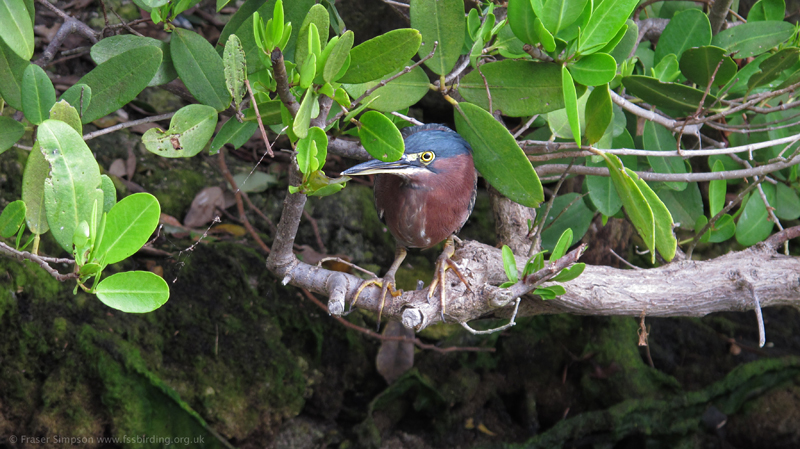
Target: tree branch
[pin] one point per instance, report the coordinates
(43, 262)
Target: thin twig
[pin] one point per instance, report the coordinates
(407, 118)
(42, 262)
(111, 129)
(537, 238)
(510, 323)
(623, 260)
(258, 118)
(526, 126)
(239, 204)
(315, 228)
(762, 338)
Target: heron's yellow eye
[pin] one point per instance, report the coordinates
(427, 157)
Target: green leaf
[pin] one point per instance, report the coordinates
(109, 192)
(738, 84)
(36, 171)
(73, 187)
(380, 137)
(624, 47)
(787, 203)
(133, 291)
(658, 138)
(558, 121)
(509, 264)
(440, 21)
(571, 104)
(548, 42)
(534, 264)
(12, 67)
(318, 135)
(381, 55)
(568, 274)
(559, 14)
(243, 18)
(723, 229)
(767, 10)
(79, 96)
(234, 133)
(518, 88)
(16, 27)
(66, 113)
(312, 150)
(338, 57)
(189, 131)
(396, 95)
(666, 243)
(563, 244)
(10, 132)
(689, 28)
(753, 38)
(578, 218)
(601, 191)
(270, 112)
(667, 95)
(233, 61)
(685, 207)
(771, 68)
(308, 72)
(38, 94)
(716, 191)
(303, 118)
(605, 22)
(599, 108)
(551, 292)
(12, 217)
(255, 182)
(594, 69)
(634, 201)
(497, 156)
(754, 224)
(699, 64)
(200, 68)
(118, 81)
(521, 18)
(128, 227)
(318, 16)
(667, 70)
(116, 45)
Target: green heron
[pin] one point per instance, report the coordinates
(424, 198)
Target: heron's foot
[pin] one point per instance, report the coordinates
(444, 263)
(387, 285)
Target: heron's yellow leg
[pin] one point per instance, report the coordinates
(443, 263)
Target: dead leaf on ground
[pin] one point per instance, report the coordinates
(118, 168)
(204, 207)
(395, 357)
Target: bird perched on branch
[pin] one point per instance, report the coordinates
(424, 198)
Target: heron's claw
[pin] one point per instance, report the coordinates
(443, 263)
(386, 285)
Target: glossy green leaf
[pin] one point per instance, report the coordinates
(338, 57)
(787, 203)
(441, 21)
(636, 205)
(624, 47)
(716, 191)
(319, 137)
(109, 192)
(605, 22)
(508, 45)
(658, 138)
(73, 186)
(200, 68)
(599, 108)
(568, 274)
(37, 169)
(381, 55)
(79, 96)
(38, 94)
(558, 121)
(189, 131)
(518, 88)
(577, 217)
(116, 45)
(235, 70)
(571, 104)
(594, 69)
(666, 243)
(16, 27)
(771, 68)
(689, 28)
(309, 71)
(699, 64)
(738, 84)
(551, 292)
(521, 18)
(12, 67)
(270, 112)
(612, 44)
(563, 244)
(380, 137)
(497, 156)
(243, 16)
(66, 113)
(667, 95)
(10, 132)
(303, 117)
(129, 225)
(318, 16)
(117, 81)
(12, 217)
(753, 38)
(754, 224)
(548, 41)
(667, 70)
(559, 14)
(396, 95)
(133, 291)
(601, 191)
(685, 206)
(723, 229)
(234, 133)
(510, 264)
(767, 10)
(534, 264)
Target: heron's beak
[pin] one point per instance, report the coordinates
(401, 167)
